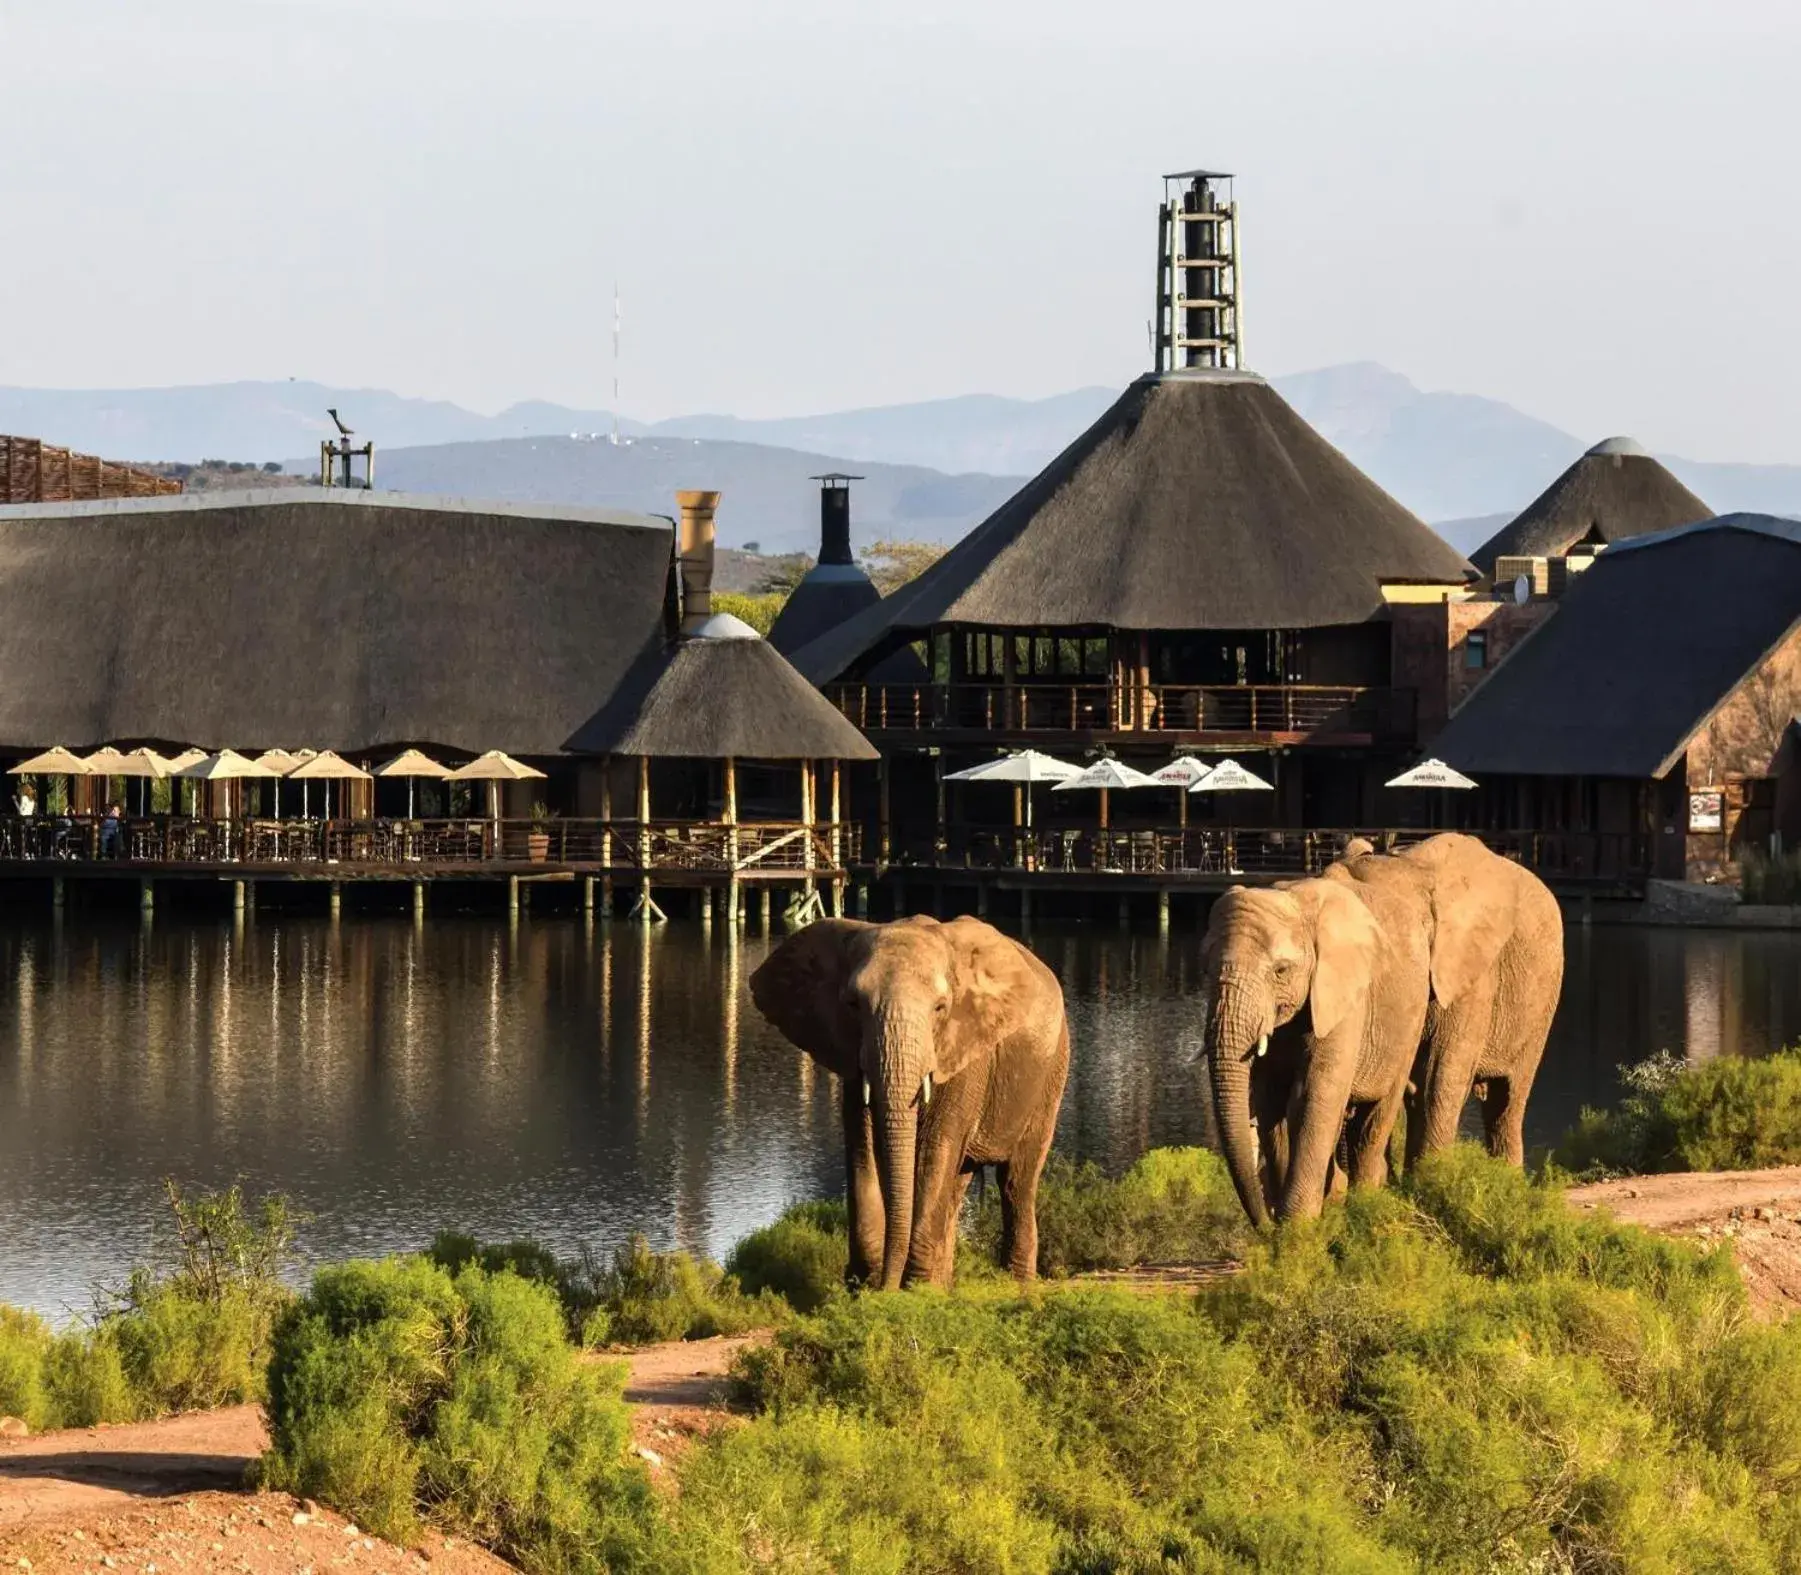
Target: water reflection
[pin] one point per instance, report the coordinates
(577, 1081)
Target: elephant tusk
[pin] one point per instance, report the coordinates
(1263, 1045)
(865, 1093)
(925, 1091)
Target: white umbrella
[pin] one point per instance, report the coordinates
(1182, 774)
(1430, 774)
(413, 764)
(494, 767)
(1106, 774)
(325, 765)
(143, 763)
(57, 762)
(281, 762)
(1025, 766)
(226, 766)
(1230, 777)
(1022, 768)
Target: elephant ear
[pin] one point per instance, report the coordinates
(1346, 942)
(1473, 904)
(800, 989)
(990, 986)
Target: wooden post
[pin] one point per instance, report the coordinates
(941, 841)
(882, 823)
(587, 894)
(146, 894)
(731, 839)
(336, 900)
(808, 819)
(56, 892)
(606, 815)
(1144, 681)
(418, 902)
(512, 896)
(763, 906)
(1163, 911)
(237, 896)
(644, 818)
(837, 844)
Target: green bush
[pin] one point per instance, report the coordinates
(637, 1297)
(1176, 1205)
(398, 1392)
(801, 1258)
(1766, 880)
(1730, 1113)
(25, 1341)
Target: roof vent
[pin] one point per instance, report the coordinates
(1621, 448)
(834, 517)
(694, 554)
(1197, 320)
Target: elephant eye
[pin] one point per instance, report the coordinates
(942, 1007)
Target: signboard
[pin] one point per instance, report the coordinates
(1705, 810)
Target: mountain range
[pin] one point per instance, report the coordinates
(934, 468)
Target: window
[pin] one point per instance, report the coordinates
(1475, 650)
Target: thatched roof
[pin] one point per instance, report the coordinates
(723, 692)
(1614, 491)
(830, 593)
(1638, 654)
(1200, 500)
(354, 621)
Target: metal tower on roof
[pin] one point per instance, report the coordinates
(1197, 321)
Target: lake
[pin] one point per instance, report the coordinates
(579, 1081)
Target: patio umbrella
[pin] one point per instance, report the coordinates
(326, 765)
(281, 762)
(1024, 768)
(494, 767)
(175, 765)
(57, 762)
(1182, 774)
(143, 763)
(226, 766)
(1230, 777)
(1106, 774)
(413, 764)
(1432, 774)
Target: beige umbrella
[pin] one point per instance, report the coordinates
(143, 763)
(413, 764)
(325, 765)
(57, 762)
(281, 762)
(226, 766)
(494, 767)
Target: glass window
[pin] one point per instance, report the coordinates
(1475, 650)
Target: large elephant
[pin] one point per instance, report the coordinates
(1317, 996)
(952, 1048)
(1497, 971)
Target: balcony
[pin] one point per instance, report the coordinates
(1294, 712)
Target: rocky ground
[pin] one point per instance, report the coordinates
(158, 1498)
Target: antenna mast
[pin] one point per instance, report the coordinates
(615, 363)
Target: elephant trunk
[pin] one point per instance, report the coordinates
(1232, 1041)
(900, 1069)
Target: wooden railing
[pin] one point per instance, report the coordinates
(629, 846)
(1216, 850)
(1301, 709)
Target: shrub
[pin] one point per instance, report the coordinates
(1731, 1113)
(802, 1257)
(759, 610)
(1770, 880)
(398, 1391)
(25, 1341)
(653, 1296)
(1176, 1205)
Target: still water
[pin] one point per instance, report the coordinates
(577, 1082)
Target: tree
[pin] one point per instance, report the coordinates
(892, 564)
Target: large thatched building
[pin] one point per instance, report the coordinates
(1200, 570)
(1612, 493)
(1643, 727)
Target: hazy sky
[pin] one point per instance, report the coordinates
(1583, 207)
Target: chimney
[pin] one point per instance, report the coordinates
(834, 517)
(694, 556)
(1197, 321)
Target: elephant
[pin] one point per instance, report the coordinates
(952, 1048)
(1317, 996)
(1497, 972)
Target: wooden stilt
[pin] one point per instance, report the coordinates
(146, 894)
(763, 907)
(418, 902)
(335, 901)
(882, 819)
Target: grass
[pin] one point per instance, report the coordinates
(1731, 1113)
(1770, 880)
(189, 1332)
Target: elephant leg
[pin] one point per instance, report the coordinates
(1460, 1037)
(1371, 1127)
(1019, 1218)
(1331, 1071)
(943, 1182)
(863, 1190)
(1504, 1119)
(1276, 1114)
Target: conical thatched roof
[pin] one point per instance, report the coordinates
(721, 692)
(831, 593)
(1614, 491)
(1200, 500)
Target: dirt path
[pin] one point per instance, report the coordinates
(160, 1497)
(1757, 1211)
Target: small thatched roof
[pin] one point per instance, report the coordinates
(1639, 653)
(1200, 500)
(352, 620)
(1614, 491)
(723, 692)
(830, 593)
